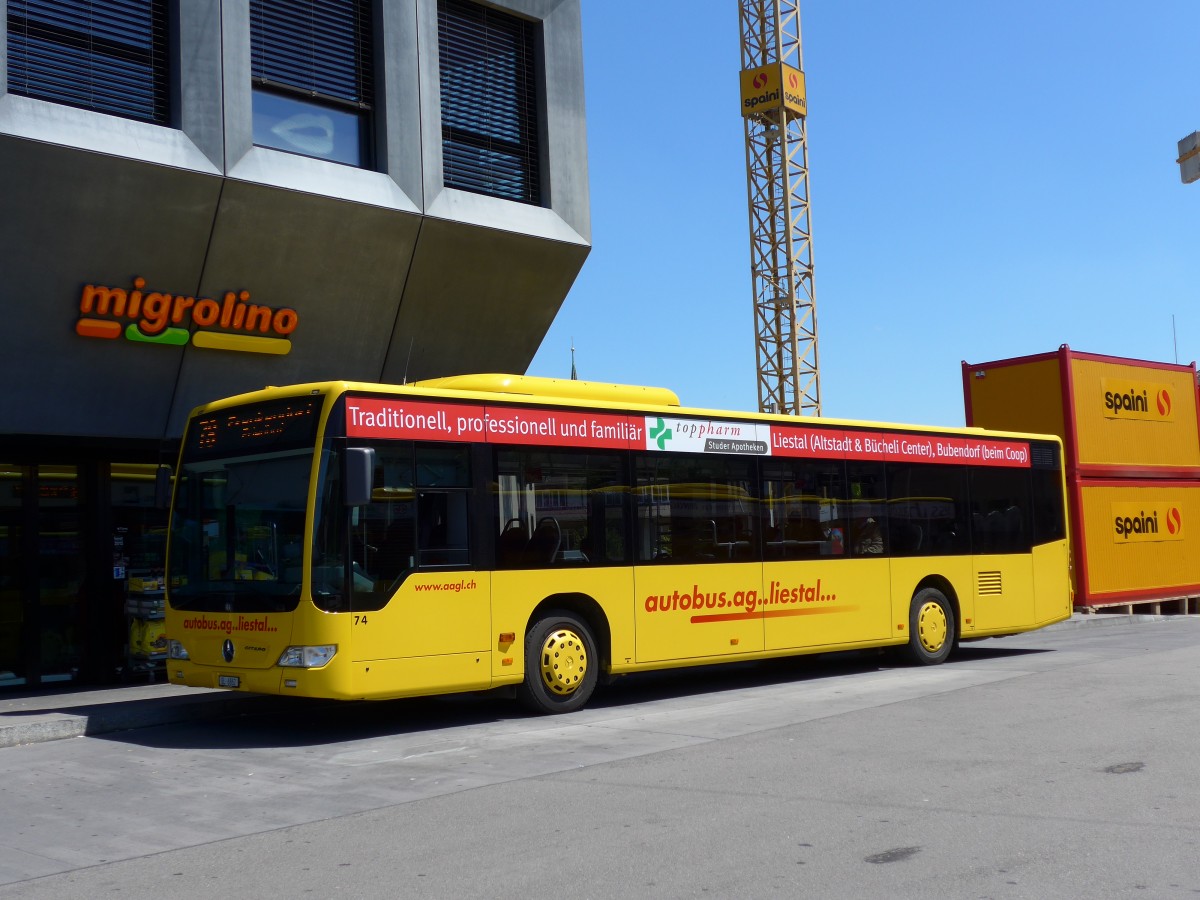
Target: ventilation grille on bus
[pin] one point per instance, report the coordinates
(990, 584)
(1044, 456)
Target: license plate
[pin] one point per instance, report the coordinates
(230, 681)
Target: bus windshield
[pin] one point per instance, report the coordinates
(237, 535)
(237, 527)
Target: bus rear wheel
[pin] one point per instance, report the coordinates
(932, 628)
(561, 664)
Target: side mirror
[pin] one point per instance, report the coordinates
(360, 475)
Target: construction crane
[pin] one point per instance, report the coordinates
(781, 260)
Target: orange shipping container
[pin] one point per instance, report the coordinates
(1117, 417)
(1135, 540)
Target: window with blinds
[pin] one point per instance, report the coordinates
(110, 56)
(311, 66)
(490, 131)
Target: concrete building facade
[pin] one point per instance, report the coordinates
(219, 238)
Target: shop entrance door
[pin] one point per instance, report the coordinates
(16, 609)
(72, 533)
(62, 570)
(42, 574)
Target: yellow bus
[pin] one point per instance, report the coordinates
(471, 533)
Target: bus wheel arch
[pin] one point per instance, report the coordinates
(933, 622)
(566, 645)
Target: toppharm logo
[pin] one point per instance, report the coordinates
(707, 436)
(660, 433)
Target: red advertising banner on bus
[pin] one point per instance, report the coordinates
(399, 419)
(423, 421)
(837, 443)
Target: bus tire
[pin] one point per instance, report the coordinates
(561, 664)
(932, 628)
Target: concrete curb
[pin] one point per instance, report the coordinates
(84, 719)
(1103, 620)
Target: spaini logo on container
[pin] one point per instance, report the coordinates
(157, 318)
(1142, 522)
(1143, 400)
(1164, 403)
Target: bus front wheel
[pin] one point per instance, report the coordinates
(932, 628)
(561, 664)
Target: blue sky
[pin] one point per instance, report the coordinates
(987, 180)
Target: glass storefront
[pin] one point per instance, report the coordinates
(139, 552)
(61, 571)
(82, 545)
(15, 635)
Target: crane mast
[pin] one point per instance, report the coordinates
(781, 259)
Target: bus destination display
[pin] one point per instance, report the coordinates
(271, 425)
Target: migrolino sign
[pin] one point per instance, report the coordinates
(152, 317)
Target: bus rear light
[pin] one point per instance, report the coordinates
(307, 657)
(176, 650)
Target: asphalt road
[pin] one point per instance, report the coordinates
(1058, 764)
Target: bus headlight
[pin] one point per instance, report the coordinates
(307, 657)
(176, 650)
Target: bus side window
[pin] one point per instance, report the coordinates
(383, 531)
(694, 508)
(558, 508)
(868, 529)
(443, 526)
(510, 545)
(545, 542)
(394, 542)
(804, 508)
(1000, 500)
(928, 512)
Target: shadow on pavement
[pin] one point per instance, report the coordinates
(241, 721)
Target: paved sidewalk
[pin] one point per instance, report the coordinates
(52, 714)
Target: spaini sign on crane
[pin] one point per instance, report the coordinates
(773, 106)
(772, 87)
